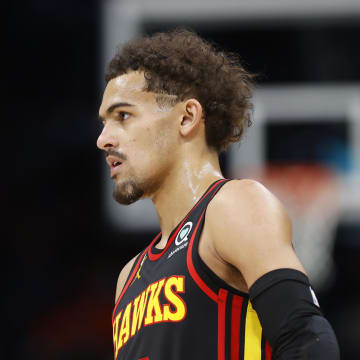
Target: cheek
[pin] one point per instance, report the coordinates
(142, 148)
(151, 153)
(153, 141)
(164, 139)
(151, 146)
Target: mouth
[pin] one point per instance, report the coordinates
(114, 164)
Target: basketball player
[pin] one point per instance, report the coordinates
(221, 280)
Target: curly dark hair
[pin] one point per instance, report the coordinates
(183, 64)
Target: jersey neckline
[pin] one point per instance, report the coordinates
(155, 254)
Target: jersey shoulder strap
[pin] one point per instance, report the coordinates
(202, 204)
(203, 276)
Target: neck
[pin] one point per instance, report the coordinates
(181, 189)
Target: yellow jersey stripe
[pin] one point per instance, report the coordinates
(253, 331)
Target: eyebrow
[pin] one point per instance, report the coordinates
(114, 106)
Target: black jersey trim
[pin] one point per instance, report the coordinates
(156, 250)
(263, 346)
(158, 255)
(213, 280)
(191, 268)
(243, 327)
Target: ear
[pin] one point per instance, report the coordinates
(192, 116)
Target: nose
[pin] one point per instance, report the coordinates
(107, 139)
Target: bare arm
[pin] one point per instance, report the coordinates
(254, 233)
(250, 230)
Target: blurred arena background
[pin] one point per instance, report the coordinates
(66, 239)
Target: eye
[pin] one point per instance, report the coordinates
(123, 115)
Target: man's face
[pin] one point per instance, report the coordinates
(138, 136)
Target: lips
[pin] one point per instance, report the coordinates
(114, 164)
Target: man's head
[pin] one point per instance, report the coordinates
(164, 93)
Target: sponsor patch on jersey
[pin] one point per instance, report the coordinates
(182, 235)
(182, 238)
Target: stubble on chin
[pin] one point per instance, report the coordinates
(127, 192)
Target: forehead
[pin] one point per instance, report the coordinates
(126, 88)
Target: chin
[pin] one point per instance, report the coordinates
(127, 192)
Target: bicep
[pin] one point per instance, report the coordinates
(254, 233)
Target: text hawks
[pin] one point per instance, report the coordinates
(128, 322)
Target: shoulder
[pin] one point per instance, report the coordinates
(124, 273)
(246, 211)
(246, 198)
(249, 229)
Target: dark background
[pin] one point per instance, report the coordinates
(61, 258)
